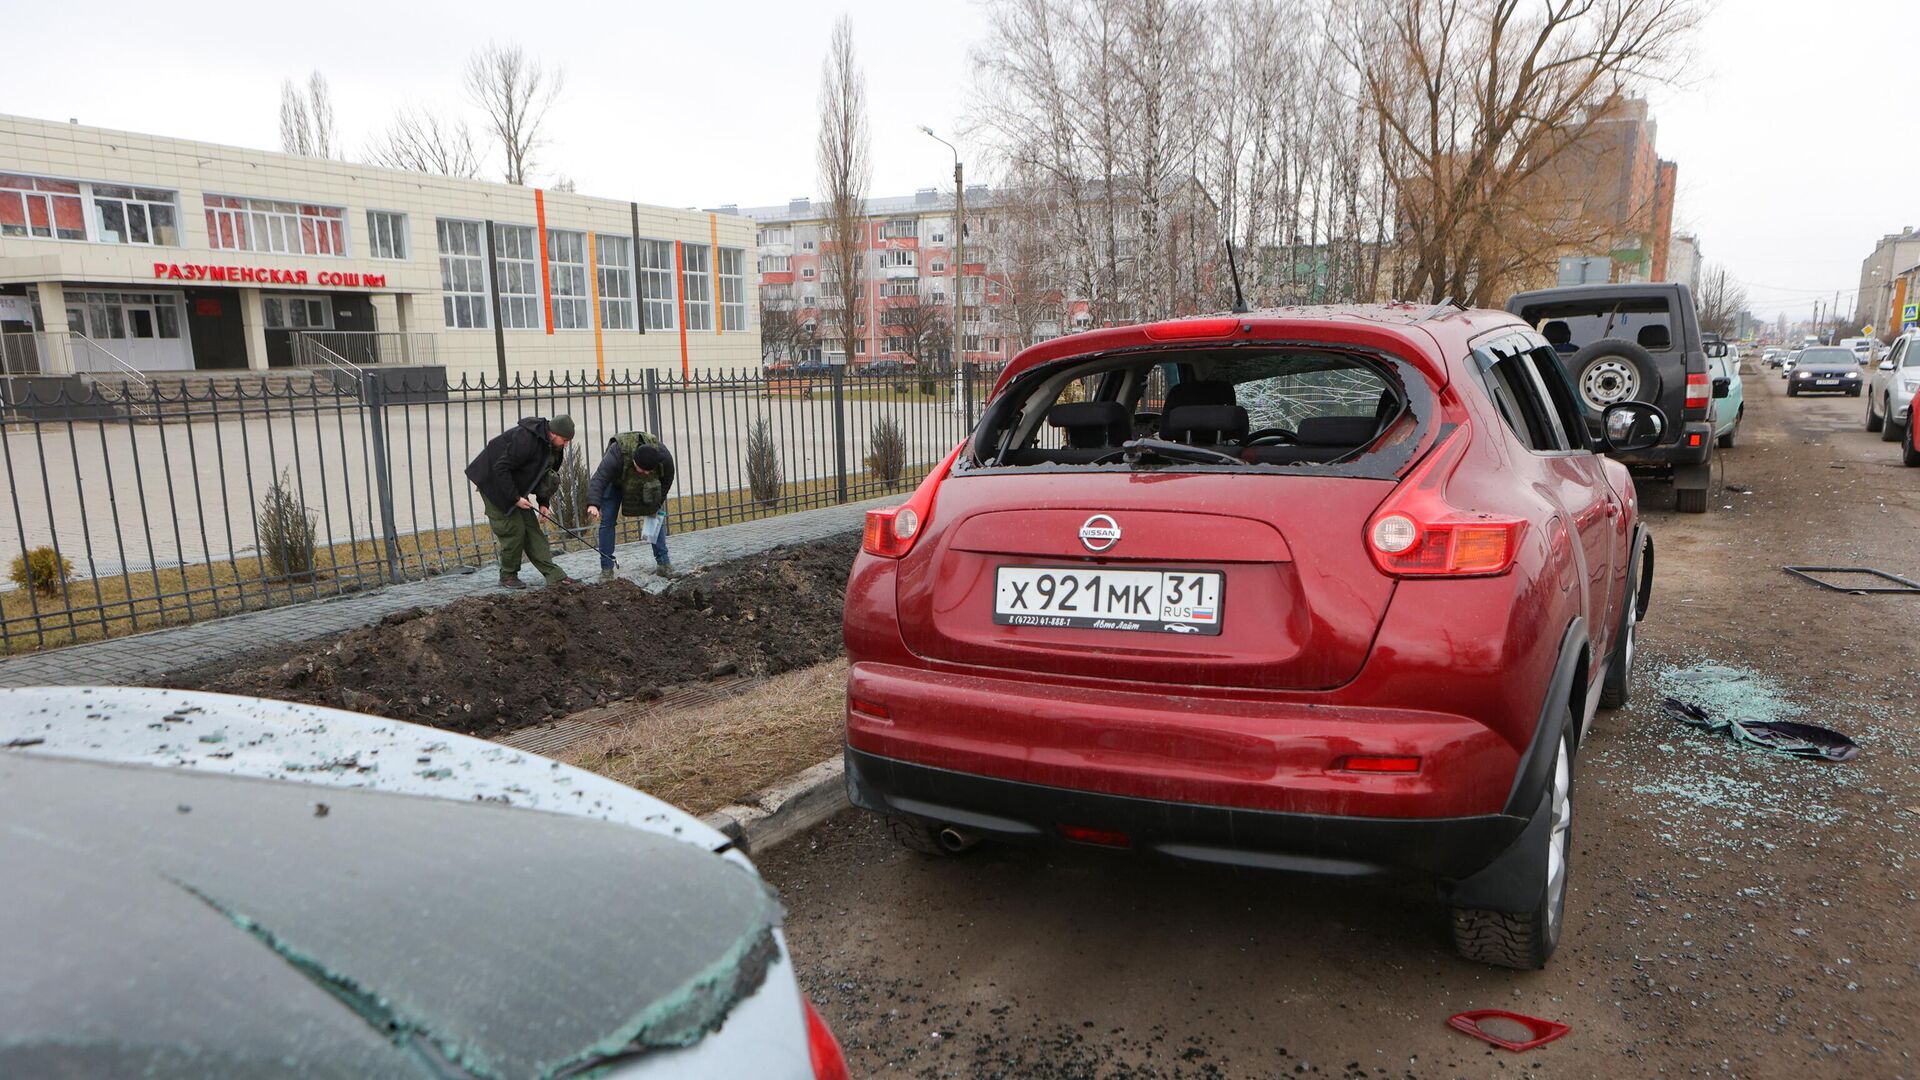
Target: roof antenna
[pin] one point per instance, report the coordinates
(1239, 298)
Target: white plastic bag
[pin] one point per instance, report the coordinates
(650, 528)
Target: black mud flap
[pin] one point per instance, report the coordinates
(1514, 881)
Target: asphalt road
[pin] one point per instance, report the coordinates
(1733, 913)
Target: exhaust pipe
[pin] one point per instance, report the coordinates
(955, 840)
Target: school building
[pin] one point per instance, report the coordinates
(123, 252)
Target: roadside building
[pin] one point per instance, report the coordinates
(1886, 282)
(127, 252)
(907, 285)
(1683, 261)
(1624, 191)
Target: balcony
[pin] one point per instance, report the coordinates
(892, 273)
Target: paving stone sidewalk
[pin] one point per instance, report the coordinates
(139, 659)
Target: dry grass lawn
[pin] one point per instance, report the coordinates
(703, 759)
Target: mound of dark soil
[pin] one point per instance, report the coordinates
(490, 664)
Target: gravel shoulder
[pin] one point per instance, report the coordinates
(1732, 913)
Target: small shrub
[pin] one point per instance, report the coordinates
(927, 386)
(286, 532)
(42, 570)
(887, 451)
(763, 464)
(569, 504)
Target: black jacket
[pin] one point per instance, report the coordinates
(609, 476)
(517, 462)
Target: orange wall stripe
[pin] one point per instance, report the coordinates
(593, 292)
(680, 297)
(546, 276)
(713, 264)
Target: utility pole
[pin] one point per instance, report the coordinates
(959, 247)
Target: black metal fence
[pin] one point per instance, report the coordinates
(174, 502)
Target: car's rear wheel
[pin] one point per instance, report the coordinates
(1726, 441)
(1525, 939)
(1875, 422)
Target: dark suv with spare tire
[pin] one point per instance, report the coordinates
(1638, 342)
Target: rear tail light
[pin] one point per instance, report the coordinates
(829, 1063)
(1417, 533)
(1377, 763)
(891, 530)
(1699, 390)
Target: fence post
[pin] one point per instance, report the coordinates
(653, 404)
(966, 380)
(373, 398)
(840, 432)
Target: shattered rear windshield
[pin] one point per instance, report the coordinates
(188, 924)
(1261, 408)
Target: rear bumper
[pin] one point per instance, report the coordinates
(1447, 848)
(1691, 448)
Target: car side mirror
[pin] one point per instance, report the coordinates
(1722, 386)
(1886, 365)
(1627, 426)
(1716, 349)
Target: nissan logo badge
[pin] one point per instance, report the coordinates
(1100, 533)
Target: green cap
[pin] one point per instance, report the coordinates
(562, 426)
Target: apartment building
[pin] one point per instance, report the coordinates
(908, 277)
(124, 252)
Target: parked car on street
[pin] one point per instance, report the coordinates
(1772, 357)
(1334, 591)
(228, 886)
(1863, 348)
(1890, 389)
(1637, 342)
(1786, 364)
(1729, 396)
(1825, 369)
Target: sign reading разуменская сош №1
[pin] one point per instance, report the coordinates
(261, 275)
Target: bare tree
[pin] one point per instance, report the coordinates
(515, 93)
(1022, 261)
(918, 328)
(420, 140)
(563, 182)
(320, 110)
(1720, 300)
(842, 157)
(779, 330)
(306, 119)
(1476, 100)
(296, 130)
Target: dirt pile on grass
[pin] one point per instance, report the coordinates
(490, 664)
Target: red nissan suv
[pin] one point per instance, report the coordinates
(1333, 590)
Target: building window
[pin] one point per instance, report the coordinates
(656, 284)
(807, 246)
(130, 215)
(898, 228)
(697, 285)
(236, 224)
(297, 312)
(463, 274)
(939, 238)
(900, 257)
(937, 268)
(387, 234)
(567, 277)
(49, 209)
(733, 289)
(807, 273)
(613, 262)
(775, 264)
(970, 343)
(516, 272)
(769, 237)
(903, 287)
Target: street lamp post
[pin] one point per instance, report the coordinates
(959, 246)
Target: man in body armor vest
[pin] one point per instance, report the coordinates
(633, 480)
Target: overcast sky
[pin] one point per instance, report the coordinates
(1787, 179)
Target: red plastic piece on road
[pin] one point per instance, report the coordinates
(1542, 1031)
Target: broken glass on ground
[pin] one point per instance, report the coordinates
(1782, 736)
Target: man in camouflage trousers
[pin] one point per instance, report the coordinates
(633, 479)
(519, 468)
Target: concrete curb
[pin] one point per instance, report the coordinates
(779, 813)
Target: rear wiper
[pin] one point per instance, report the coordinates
(1133, 451)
